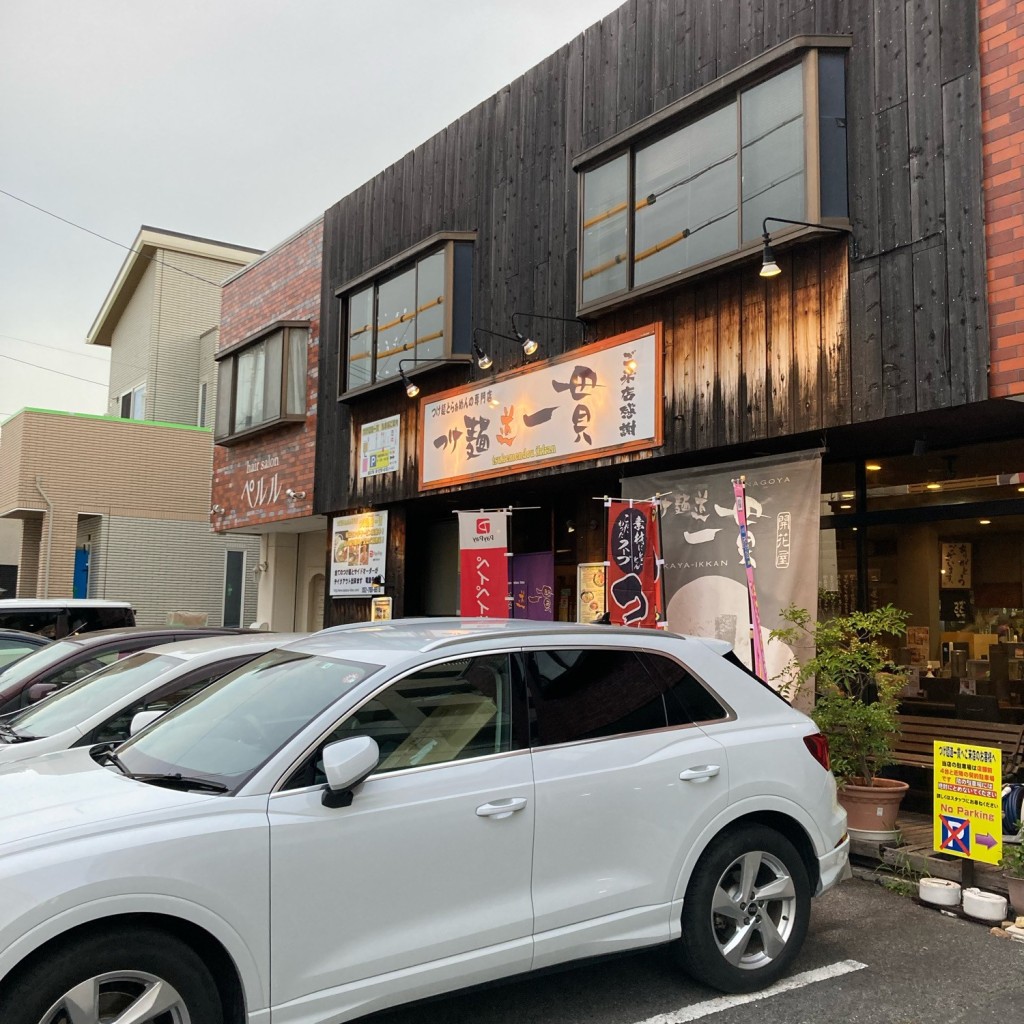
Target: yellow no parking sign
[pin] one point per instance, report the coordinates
(967, 801)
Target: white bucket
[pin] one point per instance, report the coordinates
(986, 906)
(940, 891)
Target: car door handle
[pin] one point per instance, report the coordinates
(700, 774)
(501, 808)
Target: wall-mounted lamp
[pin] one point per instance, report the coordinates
(529, 344)
(412, 389)
(483, 359)
(769, 267)
(217, 510)
(295, 495)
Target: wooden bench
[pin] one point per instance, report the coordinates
(914, 746)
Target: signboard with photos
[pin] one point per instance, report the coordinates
(358, 554)
(594, 400)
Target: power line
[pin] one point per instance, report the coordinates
(56, 348)
(96, 234)
(47, 369)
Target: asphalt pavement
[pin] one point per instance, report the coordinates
(871, 957)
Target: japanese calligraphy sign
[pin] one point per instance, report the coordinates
(634, 573)
(483, 565)
(379, 447)
(705, 576)
(594, 400)
(358, 554)
(956, 566)
(967, 808)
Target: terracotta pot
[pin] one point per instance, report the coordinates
(1016, 889)
(872, 808)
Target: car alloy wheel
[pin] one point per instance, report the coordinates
(123, 995)
(746, 910)
(753, 910)
(122, 974)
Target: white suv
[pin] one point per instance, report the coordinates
(384, 812)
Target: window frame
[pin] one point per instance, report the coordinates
(227, 381)
(519, 742)
(641, 653)
(445, 242)
(801, 51)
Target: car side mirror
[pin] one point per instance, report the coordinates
(37, 691)
(142, 719)
(346, 764)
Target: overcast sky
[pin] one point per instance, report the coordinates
(239, 120)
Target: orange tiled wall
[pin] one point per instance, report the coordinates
(1002, 124)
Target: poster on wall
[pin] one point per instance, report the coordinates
(533, 586)
(483, 564)
(379, 447)
(704, 575)
(358, 554)
(634, 592)
(955, 567)
(595, 400)
(590, 577)
(380, 609)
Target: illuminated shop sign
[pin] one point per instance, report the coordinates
(594, 401)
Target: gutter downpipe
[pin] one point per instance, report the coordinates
(49, 536)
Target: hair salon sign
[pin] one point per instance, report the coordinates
(593, 401)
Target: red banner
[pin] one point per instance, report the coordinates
(634, 563)
(483, 565)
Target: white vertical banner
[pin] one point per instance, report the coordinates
(483, 564)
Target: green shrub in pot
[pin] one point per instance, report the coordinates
(857, 690)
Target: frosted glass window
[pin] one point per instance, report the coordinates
(605, 225)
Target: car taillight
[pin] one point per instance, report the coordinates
(817, 744)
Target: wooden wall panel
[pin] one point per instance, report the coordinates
(504, 170)
(866, 341)
(835, 365)
(752, 397)
(783, 417)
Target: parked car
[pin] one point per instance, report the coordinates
(16, 643)
(57, 617)
(33, 677)
(100, 707)
(379, 813)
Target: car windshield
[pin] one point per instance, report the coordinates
(76, 703)
(25, 668)
(227, 731)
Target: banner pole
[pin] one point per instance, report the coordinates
(740, 491)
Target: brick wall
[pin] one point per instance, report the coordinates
(251, 478)
(1002, 121)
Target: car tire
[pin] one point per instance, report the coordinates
(746, 911)
(108, 972)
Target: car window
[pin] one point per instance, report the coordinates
(12, 650)
(36, 662)
(443, 713)
(687, 700)
(590, 693)
(76, 670)
(118, 727)
(81, 700)
(233, 726)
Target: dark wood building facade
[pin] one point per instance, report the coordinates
(872, 337)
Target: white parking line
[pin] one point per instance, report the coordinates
(710, 1006)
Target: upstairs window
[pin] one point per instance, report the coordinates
(262, 382)
(416, 308)
(133, 403)
(665, 207)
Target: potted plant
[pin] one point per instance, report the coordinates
(856, 703)
(1013, 872)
